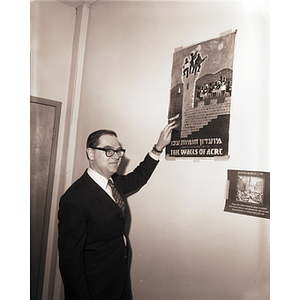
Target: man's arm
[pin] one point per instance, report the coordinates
(142, 173)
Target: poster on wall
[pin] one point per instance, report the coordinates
(248, 193)
(201, 88)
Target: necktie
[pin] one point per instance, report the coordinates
(119, 200)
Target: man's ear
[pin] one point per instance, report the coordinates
(90, 153)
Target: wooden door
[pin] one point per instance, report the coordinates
(44, 122)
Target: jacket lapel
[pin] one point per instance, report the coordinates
(99, 193)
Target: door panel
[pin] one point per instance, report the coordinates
(43, 119)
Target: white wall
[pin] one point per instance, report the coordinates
(184, 245)
(52, 31)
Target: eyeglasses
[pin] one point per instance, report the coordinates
(110, 152)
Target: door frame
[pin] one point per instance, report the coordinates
(57, 105)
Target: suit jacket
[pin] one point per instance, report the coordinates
(93, 258)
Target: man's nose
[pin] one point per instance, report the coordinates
(116, 156)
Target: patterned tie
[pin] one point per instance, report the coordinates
(119, 200)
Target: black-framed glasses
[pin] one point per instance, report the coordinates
(110, 152)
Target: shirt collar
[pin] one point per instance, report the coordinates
(99, 179)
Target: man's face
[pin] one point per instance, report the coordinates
(99, 162)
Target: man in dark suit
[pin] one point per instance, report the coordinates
(94, 249)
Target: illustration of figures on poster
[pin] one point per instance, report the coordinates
(248, 193)
(201, 88)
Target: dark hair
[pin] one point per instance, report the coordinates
(93, 139)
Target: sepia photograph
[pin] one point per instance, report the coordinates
(138, 110)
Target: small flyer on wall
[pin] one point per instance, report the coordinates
(201, 88)
(248, 193)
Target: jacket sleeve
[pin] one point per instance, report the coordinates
(72, 229)
(139, 176)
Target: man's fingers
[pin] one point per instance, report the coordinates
(170, 126)
(174, 118)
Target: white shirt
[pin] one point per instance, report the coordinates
(101, 181)
(154, 156)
